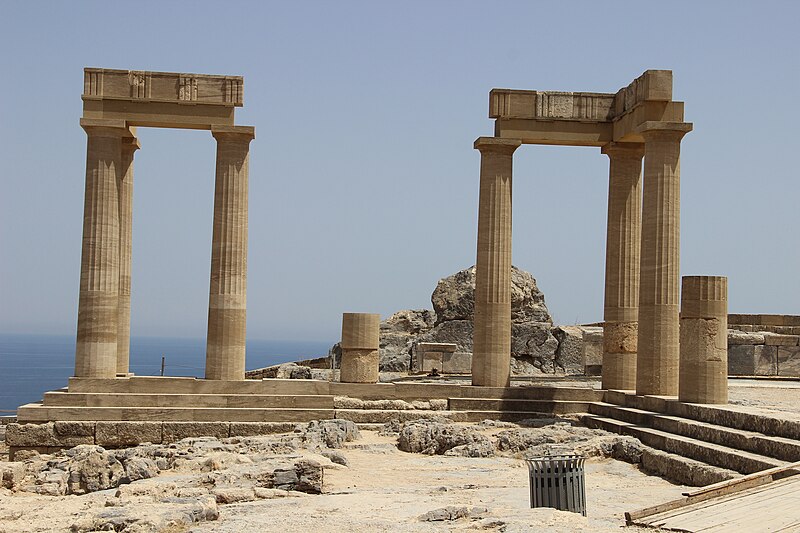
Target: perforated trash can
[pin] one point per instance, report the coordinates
(558, 481)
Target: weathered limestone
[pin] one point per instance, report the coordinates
(491, 360)
(658, 348)
(98, 307)
(704, 340)
(623, 239)
(360, 345)
(433, 355)
(227, 306)
(129, 146)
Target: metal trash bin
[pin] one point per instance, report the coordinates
(558, 481)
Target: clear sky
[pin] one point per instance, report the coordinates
(363, 179)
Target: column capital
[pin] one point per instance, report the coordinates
(664, 131)
(497, 144)
(234, 133)
(623, 150)
(131, 144)
(106, 128)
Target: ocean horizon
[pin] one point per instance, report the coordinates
(32, 364)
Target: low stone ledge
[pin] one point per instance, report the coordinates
(251, 429)
(175, 431)
(117, 434)
(736, 338)
(45, 435)
(368, 416)
(781, 340)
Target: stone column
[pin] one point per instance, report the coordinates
(360, 348)
(98, 305)
(129, 146)
(227, 306)
(658, 344)
(704, 340)
(623, 238)
(491, 357)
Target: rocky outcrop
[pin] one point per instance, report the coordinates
(533, 345)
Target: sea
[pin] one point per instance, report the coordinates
(31, 365)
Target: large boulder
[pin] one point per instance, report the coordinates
(454, 298)
(398, 334)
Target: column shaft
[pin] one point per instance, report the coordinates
(227, 307)
(360, 348)
(491, 358)
(704, 340)
(622, 265)
(129, 146)
(96, 344)
(658, 344)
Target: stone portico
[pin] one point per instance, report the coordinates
(642, 298)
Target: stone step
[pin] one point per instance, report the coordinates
(408, 391)
(786, 425)
(777, 447)
(553, 407)
(706, 452)
(253, 401)
(42, 413)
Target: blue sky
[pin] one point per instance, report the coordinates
(363, 179)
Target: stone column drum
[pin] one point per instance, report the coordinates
(704, 340)
(129, 146)
(360, 348)
(491, 359)
(658, 343)
(98, 304)
(227, 306)
(623, 240)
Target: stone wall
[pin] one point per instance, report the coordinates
(763, 354)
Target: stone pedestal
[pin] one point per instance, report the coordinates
(704, 340)
(658, 343)
(129, 146)
(623, 238)
(98, 305)
(360, 347)
(491, 360)
(227, 306)
(433, 355)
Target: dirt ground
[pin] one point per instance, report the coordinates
(384, 489)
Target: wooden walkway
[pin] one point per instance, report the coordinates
(773, 507)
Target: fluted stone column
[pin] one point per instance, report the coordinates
(623, 238)
(704, 340)
(658, 344)
(491, 357)
(227, 306)
(360, 348)
(98, 305)
(129, 146)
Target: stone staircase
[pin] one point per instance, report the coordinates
(723, 437)
(140, 398)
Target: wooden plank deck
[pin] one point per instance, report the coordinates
(773, 507)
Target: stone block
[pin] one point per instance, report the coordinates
(436, 347)
(752, 360)
(31, 435)
(788, 361)
(431, 360)
(781, 340)
(569, 354)
(592, 353)
(457, 363)
(113, 434)
(74, 433)
(175, 431)
(740, 337)
(249, 429)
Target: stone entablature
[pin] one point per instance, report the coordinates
(585, 118)
(161, 99)
(140, 85)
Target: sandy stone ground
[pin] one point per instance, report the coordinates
(384, 489)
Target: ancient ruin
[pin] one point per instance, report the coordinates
(642, 252)
(115, 103)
